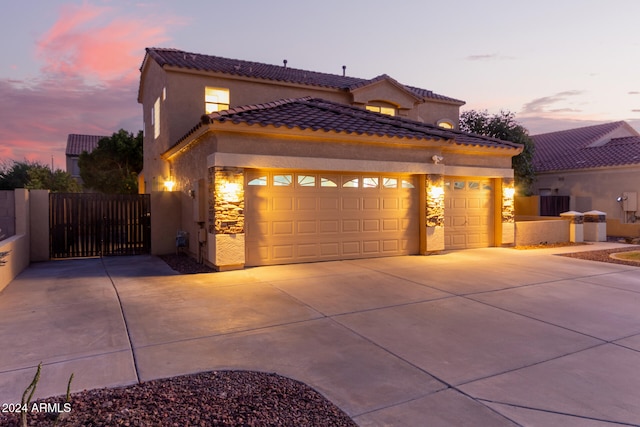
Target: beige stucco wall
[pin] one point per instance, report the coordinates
(595, 189)
(166, 215)
(18, 244)
(543, 231)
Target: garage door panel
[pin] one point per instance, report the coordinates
(390, 203)
(351, 248)
(307, 251)
(371, 246)
(351, 203)
(371, 225)
(350, 225)
(390, 224)
(329, 226)
(283, 252)
(391, 245)
(307, 227)
(306, 204)
(329, 249)
(371, 203)
(329, 204)
(282, 228)
(282, 203)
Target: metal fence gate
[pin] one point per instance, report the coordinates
(553, 205)
(88, 224)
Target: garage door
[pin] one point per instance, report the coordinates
(293, 217)
(468, 213)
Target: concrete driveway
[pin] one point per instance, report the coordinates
(489, 337)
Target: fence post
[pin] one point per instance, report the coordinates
(576, 225)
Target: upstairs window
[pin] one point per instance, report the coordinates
(389, 111)
(215, 99)
(445, 124)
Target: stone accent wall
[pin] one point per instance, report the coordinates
(435, 200)
(508, 200)
(226, 200)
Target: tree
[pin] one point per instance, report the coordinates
(504, 126)
(36, 176)
(113, 166)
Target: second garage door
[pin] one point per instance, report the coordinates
(468, 213)
(300, 216)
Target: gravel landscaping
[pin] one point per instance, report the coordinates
(218, 398)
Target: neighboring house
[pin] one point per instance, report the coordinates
(597, 166)
(281, 165)
(76, 145)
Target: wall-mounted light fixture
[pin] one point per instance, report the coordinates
(508, 192)
(169, 184)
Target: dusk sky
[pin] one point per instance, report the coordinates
(73, 66)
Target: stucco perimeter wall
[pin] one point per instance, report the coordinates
(18, 244)
(535, 230)
(617, 229)
(166, 213)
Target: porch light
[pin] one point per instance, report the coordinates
(435, 192)
(169, 184)
(508, 192)
(230, 192)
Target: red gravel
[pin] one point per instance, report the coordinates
(219, 398)
(603, 256)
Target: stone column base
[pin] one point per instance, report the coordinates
(435, 239)
(226, 251)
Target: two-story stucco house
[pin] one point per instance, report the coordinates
(276, 165)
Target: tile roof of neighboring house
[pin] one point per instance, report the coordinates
(196, 61)
(325, 116)
(76, 144)
(587, 147)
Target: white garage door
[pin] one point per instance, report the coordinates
(468, 213)
(298, 216)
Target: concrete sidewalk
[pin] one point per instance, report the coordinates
(488, 337)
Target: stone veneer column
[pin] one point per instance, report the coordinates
(226, 247)
(508, 224)
(434, 200)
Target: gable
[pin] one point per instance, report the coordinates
(384, 89)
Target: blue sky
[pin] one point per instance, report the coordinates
(72, 66)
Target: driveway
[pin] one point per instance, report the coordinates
(487, 337)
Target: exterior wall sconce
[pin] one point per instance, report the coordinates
(508, 201)
(435, 201)
(169, 184)
(230, 192)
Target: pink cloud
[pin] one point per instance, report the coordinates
(93, 41)
(88, 82)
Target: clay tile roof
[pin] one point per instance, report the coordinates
(321, 115)
(609, 144)
(236, 67)
(76, 144)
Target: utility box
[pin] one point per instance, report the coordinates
(595, 226)
(629, 201)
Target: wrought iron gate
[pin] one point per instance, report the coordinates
(88, 224)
